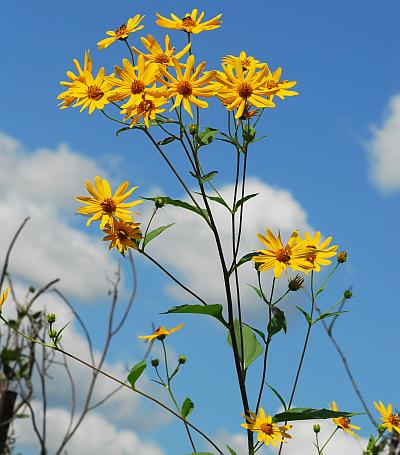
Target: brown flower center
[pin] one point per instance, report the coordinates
(108, 206)
(245, 90)
(283, 255)
(146, 106)
(394, 420)
(184, 88)
(344, 422)
(122, 235)
(188, 24)
(121, 31)
(161, 58)
(137, 87)
(271, 84)
(267, 428)
(94, 93)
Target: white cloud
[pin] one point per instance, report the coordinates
(384, 149)
(189, 248)
(43, 185)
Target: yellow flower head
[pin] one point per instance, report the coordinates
(389, 420)
(245, 60)
(279, 88)
(156, 52)
(278, 256)
(104, 206)
(132, 81)
(160, 333)
(187, 86)
(319, 252)
(122, 32)
(268, 431)
(147, 108)
(237, 88)
(190, 23)
(344, 422)
(122, 235)
(66, 97)
(3, 298)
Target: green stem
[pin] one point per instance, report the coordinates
(130, 51)
(148, 226)
(327, 441)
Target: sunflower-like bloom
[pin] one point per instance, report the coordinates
(344, 422)
(132, 82)
(190, 23)
(187, 86)
(279, 257)
(389, 420)
(319, 251)
(3, 298)
(279, 88)
(122, 235)
(122, 32)
(146, 109)
(89, 92)
(105, 206)
(66, 97)
(156, 52)
(160, 333)
(238, 90)
(268, 431)
(245, 60)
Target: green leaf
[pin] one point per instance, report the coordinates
(277, 322)
(218, 199)
(319, 291)
(166, 141)
(257, 291)
(136, 372)
(249, 133)
(246, 258)
(204, 178)
(310, 414)
(371, 443)
(305, 314)
(252, 348)
(328, 315)
(278, 395)
(257, 331)
(187, 407)
(243, 200)
(154, 233)
(214, 310)
(206, 136)
(178, 203)
(232, 452)
(10, 355)
(125, 128)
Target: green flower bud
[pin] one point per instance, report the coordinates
(53, 334)
(155, 363)
(51, 318)
(193, 129)
(316, 429)
(159, 202)
(342, 257)
(347, 294)
(31, 289)
(182, 359)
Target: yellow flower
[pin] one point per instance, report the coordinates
(66, 97)
(160, 333)
(245, 60)
(319, 252)
(105, 206)
(389, 420)
(238, 90)
(278, 256)
(122, 32)
(3, 298)
(90, 92)
(279, 88)
(344, 422)
(187, 86)
(190, 22)
(146, 109)
(133, 81)
(157, 54)
(268, 432)
(122, 235)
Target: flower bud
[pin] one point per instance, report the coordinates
(347, 294)
(181, 359)
(31, 289)
(381, 428)
(51, 318)
(53, 334)
(296, 283)
(342, 257)
(159, 202)
(155, 363)
(316, 428)
(193, 129)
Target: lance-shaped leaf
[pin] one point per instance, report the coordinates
(178, 203)
(246, 258)
(214, 310)
(309, 414)
(155, 233)
(187, 407)
(218, 199)
(277, 322)
(251, 347)
(243, 200)
(167, 140)
(231, 451)
(204, 178)
(136, 372)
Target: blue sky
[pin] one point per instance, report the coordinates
(321, 148)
